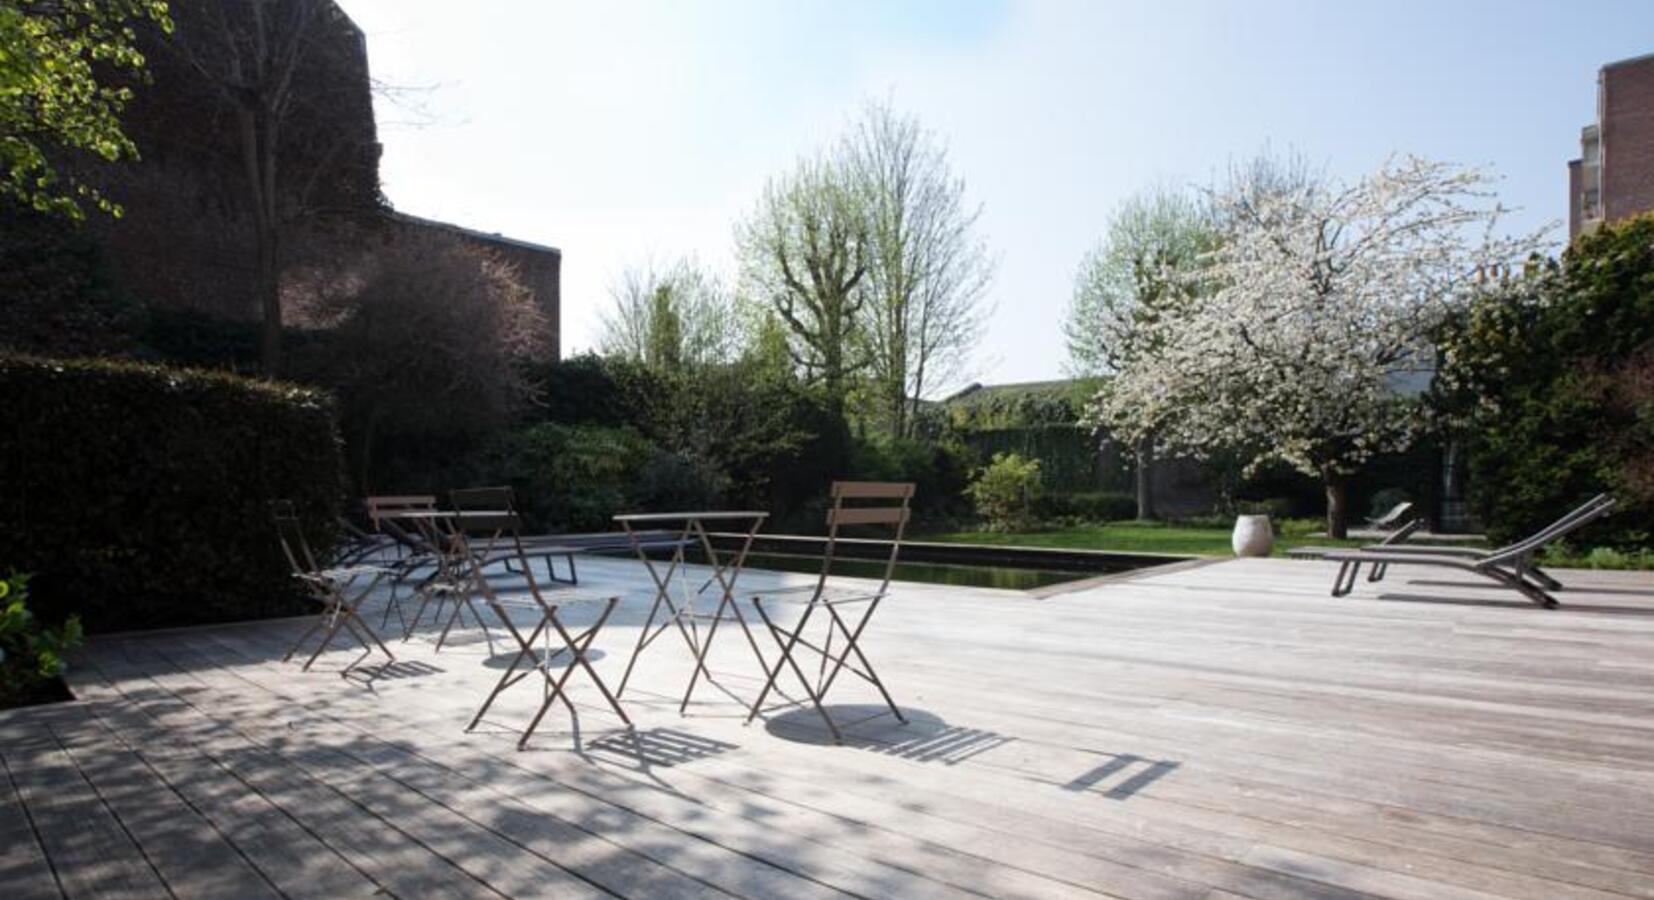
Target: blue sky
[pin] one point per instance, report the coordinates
(623, 131)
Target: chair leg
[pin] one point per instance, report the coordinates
(352, 615)
(1344, 581)
(579, 650)
(506, 680)
(773, 672)
(1522, 586)
(852, 642)
(320, 621)
(327, 638)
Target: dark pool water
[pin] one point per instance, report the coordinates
(931, 573)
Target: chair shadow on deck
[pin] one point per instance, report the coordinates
(925, 737)
(559, 658)
(656, 747)
(400, 669)
(1152, 771)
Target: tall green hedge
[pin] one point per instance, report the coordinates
(138, 495)
(1539, 374)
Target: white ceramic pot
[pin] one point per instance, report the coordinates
(1253, 536)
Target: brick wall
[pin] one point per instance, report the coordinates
(1627, 138)
(539, 267)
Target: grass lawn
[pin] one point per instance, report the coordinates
(1146, 537)
(1212, 539)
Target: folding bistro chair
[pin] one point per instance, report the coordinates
(407, 542)
(522, 548)
(333, 588)
(535, 653)
(837, 603)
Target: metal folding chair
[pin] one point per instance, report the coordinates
(412, 550)
(333, 588)
(521, 548)
(535, 649)
(875, 504)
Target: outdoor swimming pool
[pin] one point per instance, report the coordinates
(964, 565)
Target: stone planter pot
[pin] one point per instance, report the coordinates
(1253, 536)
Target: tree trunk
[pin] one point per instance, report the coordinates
(1338, 486)
(1145, 479)
(268, 286)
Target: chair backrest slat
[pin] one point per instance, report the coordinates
(872, 489)
(290, 531)
(378, 506)
(867, 515)
(888, 514)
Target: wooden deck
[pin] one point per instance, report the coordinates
(1219, 731)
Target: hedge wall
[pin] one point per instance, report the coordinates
(138, 495)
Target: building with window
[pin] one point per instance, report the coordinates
(1614, 175)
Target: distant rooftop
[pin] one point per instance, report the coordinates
(492, 237)
(979, 391)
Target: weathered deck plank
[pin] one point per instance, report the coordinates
(1220, 731)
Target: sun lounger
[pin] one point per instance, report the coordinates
(1511, 566)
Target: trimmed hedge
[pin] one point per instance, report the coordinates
(138, 494)
(1088, 506)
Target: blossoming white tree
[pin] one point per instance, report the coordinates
(1319, 302)
(1137, 274)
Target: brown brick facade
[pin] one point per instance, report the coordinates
(1614, 176)
(540, 267)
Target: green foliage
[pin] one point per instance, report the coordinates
(57, 293)
(1067, 454)
(1568, 556)
(756, 437)
(31, 653)
(937, 470)
(1088, 506)
(1182, 538)
(1536, 374)
(139, 494)
(1019, 405)
(53, 54)
(1005, 491)
(572, 478)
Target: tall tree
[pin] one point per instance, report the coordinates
(671, 317)
(804, 251)
(266, 63)
(430, 340)
(52, 101)
(1138, 274)
(927, 270)
(1321, 300)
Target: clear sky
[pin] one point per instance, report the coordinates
(623, 131)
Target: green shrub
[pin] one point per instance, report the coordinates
(1089, 506)
(139, 494)
(679, 481)
(31, 652)
(1536, 375)
(57, 292)
(572, 477)
(1005, 491)
(937, 470)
